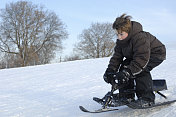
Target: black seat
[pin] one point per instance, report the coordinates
(159, 85)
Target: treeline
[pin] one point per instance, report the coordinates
(31, 35)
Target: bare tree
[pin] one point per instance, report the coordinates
(30, 32)
(72, 58)
(96, 41)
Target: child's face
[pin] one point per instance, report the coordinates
(122, 35)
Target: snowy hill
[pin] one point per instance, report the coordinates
(56, 90)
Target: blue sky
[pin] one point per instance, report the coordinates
(156, 16)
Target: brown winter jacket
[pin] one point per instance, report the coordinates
(139, 47)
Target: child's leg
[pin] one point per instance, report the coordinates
(144, 86)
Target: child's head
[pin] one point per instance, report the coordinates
(122, 23)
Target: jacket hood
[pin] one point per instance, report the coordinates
(136, 27)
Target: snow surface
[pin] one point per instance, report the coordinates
(57, 90)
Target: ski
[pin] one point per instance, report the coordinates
(98, 111)
(134, 106)
(130, 105)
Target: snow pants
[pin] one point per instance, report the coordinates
(143, 81)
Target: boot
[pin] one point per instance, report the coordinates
(141, 102)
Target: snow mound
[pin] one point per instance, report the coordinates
(57, 90)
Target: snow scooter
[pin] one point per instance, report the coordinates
(109, 100)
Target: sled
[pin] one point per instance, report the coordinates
(107, 101)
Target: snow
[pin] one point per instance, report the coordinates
(57, 90)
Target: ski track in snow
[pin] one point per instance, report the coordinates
(57, 90)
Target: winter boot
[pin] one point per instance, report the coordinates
(142, 103)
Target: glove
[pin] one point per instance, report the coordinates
(124, 76)
(109, 75)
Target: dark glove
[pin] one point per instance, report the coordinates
(109, 75)
(124, 76)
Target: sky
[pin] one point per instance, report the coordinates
(156, 16)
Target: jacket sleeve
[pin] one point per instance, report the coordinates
(141, 54)
(116, 59)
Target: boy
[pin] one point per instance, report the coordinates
(136, 53)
